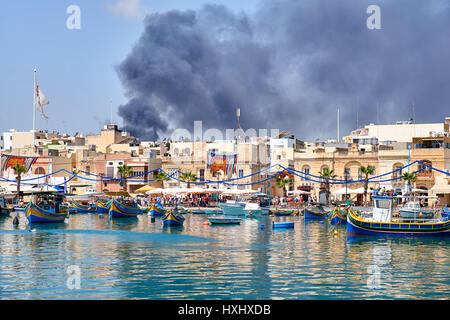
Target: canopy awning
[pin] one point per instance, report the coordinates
(144, 189)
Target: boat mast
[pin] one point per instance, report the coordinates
(34, 112)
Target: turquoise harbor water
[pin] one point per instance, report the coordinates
(138, 259)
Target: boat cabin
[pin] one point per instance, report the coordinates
(382, 208)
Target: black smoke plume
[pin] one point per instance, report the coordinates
(289, 65)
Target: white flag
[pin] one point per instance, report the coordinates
(41, 100)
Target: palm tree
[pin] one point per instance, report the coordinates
(283, 182)
(161, 176)
(366, 171)
(410, 178)
(327, 174)
(188, 177)
(19, 170)
(125, 171)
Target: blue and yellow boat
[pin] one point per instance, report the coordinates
(171, 219)
(79, 207)
(46, 213)
(317, 213)
(338, 216)
(381, 223)
(119, 210)
(157, 210)
(103, 207)
(4, 210)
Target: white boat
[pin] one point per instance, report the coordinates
(252, 209)
(412, 210)
(233, 208)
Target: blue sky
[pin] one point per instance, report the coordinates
(75, 67)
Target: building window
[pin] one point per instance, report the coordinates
(241, 173)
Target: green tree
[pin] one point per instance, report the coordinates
(410, 178)
(125, 171)
(161, 176)
(366, 171)
(326, 175)
(283, 183)
(19, 170)
(188, 177)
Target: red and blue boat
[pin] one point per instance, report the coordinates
(157, 210)
(380, 222)
(338, 216)
(79, 207)
(120, 210)
(316, 213)
(103, 207)
(44, 213)
(172, 219)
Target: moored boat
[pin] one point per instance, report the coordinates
(233, 208)
(412, 210)
(252, 209)
(79, 207)
(103, 207)
(283, 224)
(172, 219)
(119, 210)
(44, 213)
(283, 213)
(157, 210)
(338, 216)
(380, 222)
(4, 210)
(316, 213)
(224, 220)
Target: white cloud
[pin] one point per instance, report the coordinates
(127, 8)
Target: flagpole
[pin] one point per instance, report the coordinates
(34, 111)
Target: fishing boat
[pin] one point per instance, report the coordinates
(252, 209)
(4, 210)
(119, 210)
(233, 208)
(173, 219)
(381, 222)
(204, 210)
(412, 210)
(316, 213)
(283, 213)
(79, 207)
(45, 213)
(157, 210)
(445, 212)
(283, 224)
(224, 220)
(103, 207)
(338, 216)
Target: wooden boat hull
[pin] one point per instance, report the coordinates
(172, 220)
(78, 207)
(357, 226)
(283, 224)
(338, 216)
(35, 214)
(103, 207)
(157, 212)
(4, 211)
(232, 209)
(223, 221)
(283, 213)
(118, 210)
(311, 214)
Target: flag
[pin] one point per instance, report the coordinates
(41, 100)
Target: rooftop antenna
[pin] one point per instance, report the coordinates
(238, 116)
(357, 110)
(378, 117)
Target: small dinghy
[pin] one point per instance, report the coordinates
(224, 220)
(283, 224)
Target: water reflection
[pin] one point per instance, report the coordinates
(141, 259)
